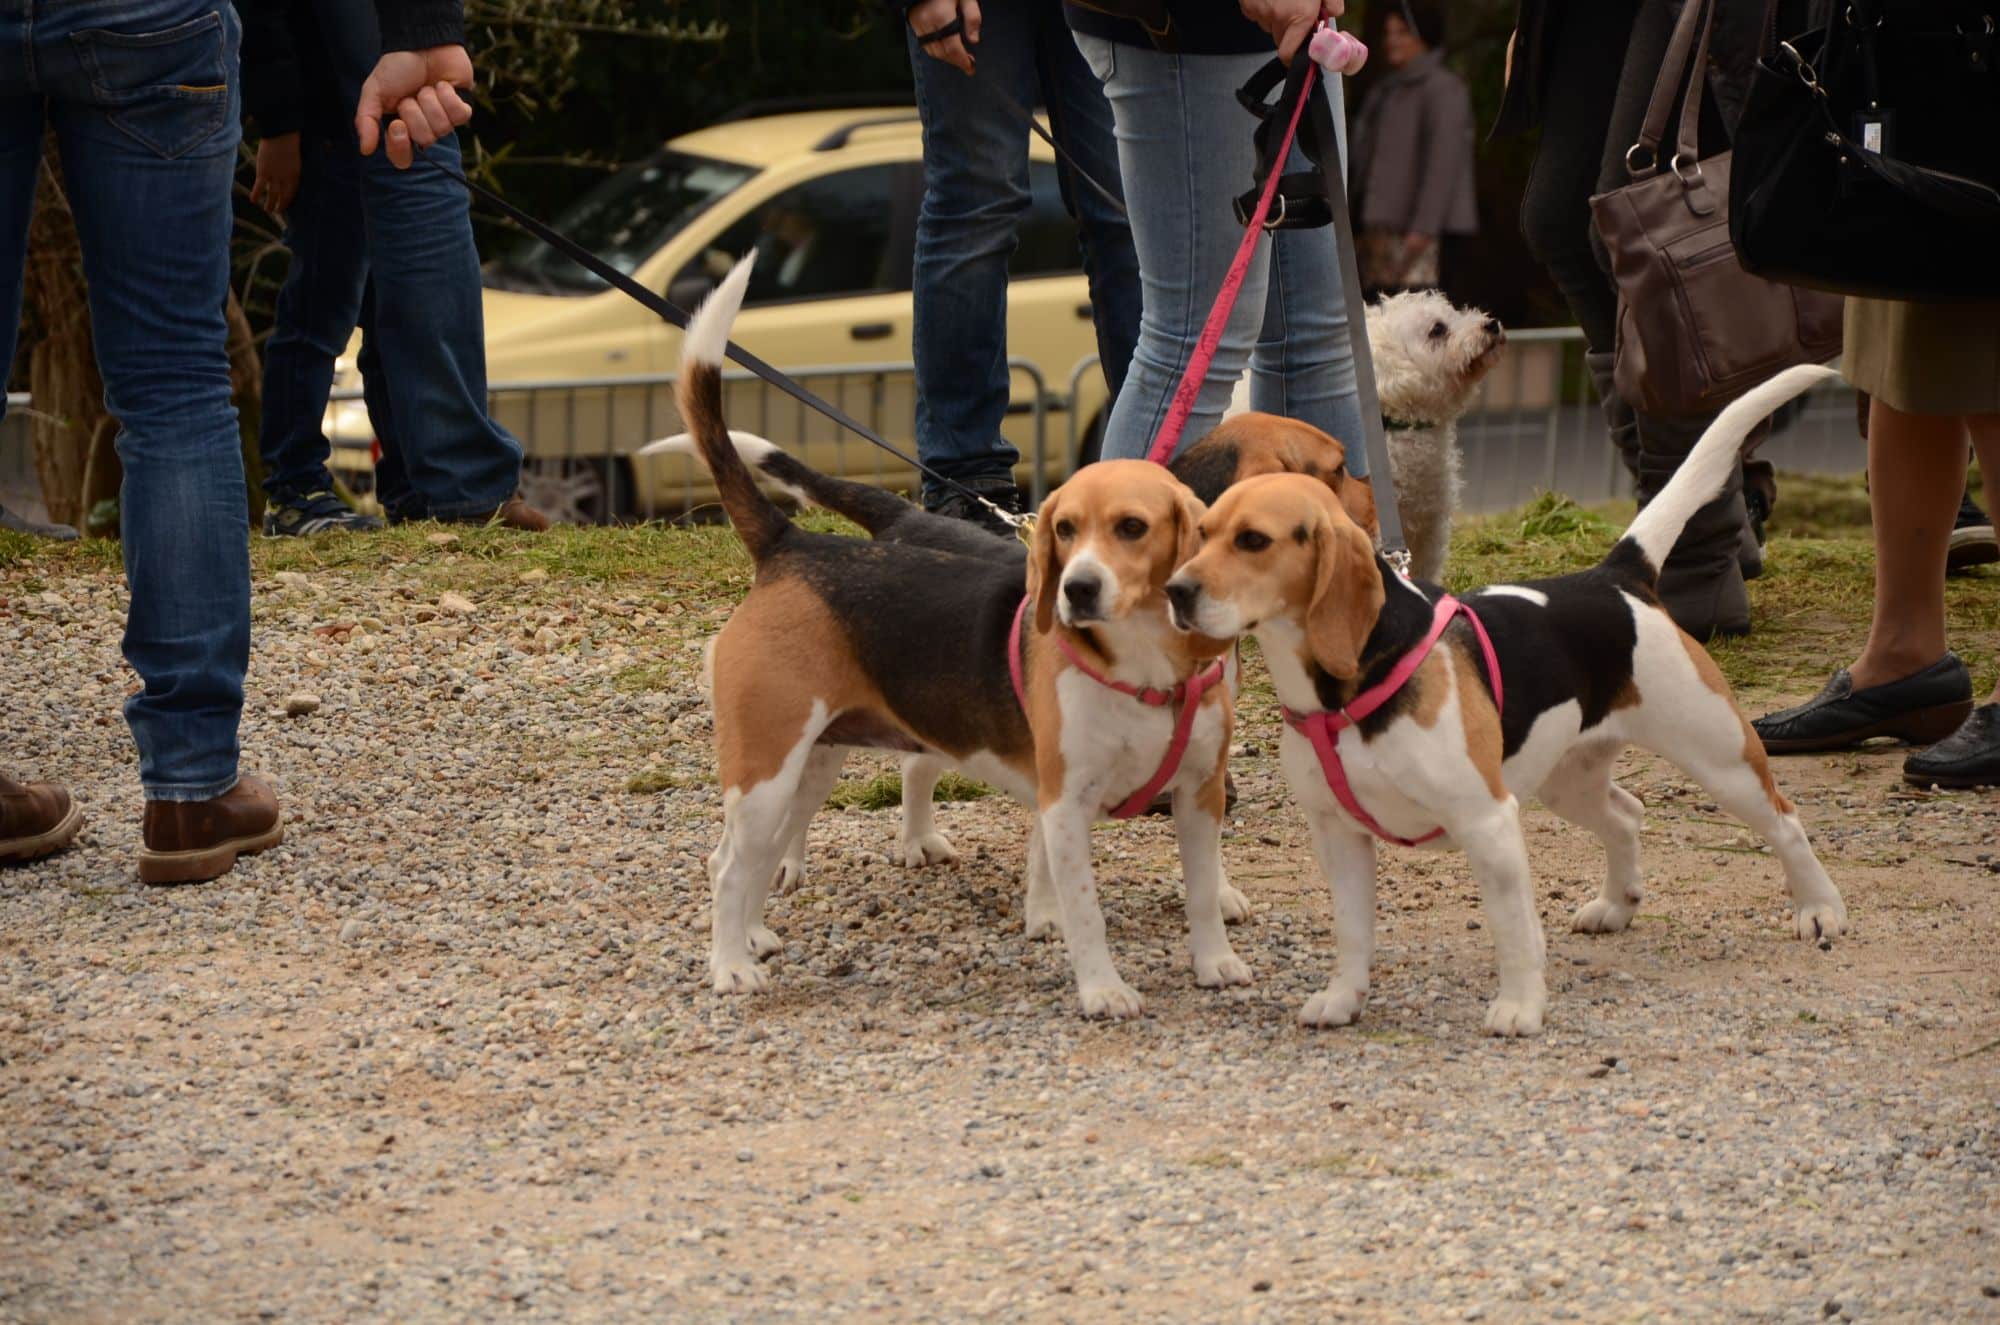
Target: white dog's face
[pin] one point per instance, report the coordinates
(1429, 355)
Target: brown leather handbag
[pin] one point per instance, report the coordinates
(1695, 330)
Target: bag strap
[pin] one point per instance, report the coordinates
(1642, 159)
(1687, 140)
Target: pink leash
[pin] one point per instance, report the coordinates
(1323, 728)
(1187, 694)
(1225, 300)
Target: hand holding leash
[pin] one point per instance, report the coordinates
(1290, 22)
(947, 30)
(419, 88)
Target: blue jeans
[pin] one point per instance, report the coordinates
(318, 309)
(144, 99)
(391, 250)
(1184, 151)
(975, 192)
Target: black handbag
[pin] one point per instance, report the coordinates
(1868, 157)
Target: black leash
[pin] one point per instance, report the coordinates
(677, 316)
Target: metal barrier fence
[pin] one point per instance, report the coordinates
(1533, 426)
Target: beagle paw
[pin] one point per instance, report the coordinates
(1335, 1005)
(1235, 906)
(928, 849)
(1603, 915)
(763, 943)
(1219, 972)
(1044, 920)
(1516, 1016)
(791, 873)
(739, 975)
(1820, 920)
(1115, 999)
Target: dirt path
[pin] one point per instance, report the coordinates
(449, 1054)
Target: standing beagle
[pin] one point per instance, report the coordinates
(1075, 697)
(1415, 718)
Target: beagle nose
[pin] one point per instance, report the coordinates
(1181, 595)
(1081, 594)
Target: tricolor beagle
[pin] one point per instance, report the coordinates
(843, 643)
(1535, 689)
(1242, 446)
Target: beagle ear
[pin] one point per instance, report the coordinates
(1347, 597)
(1187, 526)
(1357, 498)
(1045, 564)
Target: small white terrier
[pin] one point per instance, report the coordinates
(1429, 359)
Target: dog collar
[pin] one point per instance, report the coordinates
(1188, 694)
(1390, 424)
(1323, 727)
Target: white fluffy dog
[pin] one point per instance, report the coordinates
(1429, 358)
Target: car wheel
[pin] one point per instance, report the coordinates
(576, 491)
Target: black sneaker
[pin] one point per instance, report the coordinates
(314, 513)
(1972, 540)
(958, 504)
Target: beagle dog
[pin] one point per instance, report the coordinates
(1241, 447)
(1415, 718)
(1062, 683)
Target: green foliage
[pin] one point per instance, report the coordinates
(885, 791)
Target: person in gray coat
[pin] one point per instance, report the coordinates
(1413, 156)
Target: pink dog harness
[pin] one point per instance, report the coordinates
(1187, 694)
(1323, 728)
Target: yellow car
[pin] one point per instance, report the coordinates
(582, 374)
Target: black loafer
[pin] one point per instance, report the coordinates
(1969, 757)
(1921, 708)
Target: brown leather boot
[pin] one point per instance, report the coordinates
(514, 513)
(194, 841)
(36, 819)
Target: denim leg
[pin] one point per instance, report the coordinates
(1080, 119)
(148, 133)
(21, 115)
(430, 324)
(317, 311)
(392, 478)
(1303, 363)
(975, 193)
(1184, 150)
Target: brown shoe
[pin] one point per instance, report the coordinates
(514, 513)
(194, 841)
(36, 819)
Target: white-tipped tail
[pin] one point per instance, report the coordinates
(1707, 467)
(749, 445)
(708, 330)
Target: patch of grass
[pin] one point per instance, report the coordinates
(650, 676)
(1214, 1159)
(659, 779)
(885, 791)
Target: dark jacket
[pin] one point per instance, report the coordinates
(1733, 49)
(304, 60)
(1198, 27)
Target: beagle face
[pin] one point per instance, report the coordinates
(1282, 548)
(1245, 445)
(1107, 540)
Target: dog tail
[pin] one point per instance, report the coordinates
(1705, 471)
(759, 522)
(871, 508)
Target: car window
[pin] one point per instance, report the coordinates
(624, 220)
(1048, 235)
(821, 239)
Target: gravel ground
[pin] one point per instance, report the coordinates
(450, 1054)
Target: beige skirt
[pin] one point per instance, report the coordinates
(1924, 358)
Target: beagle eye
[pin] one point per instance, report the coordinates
(1130, 528)
(1439, 331)
(1251, 541)
(1065, 530)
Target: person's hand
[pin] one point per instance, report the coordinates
(930, 15)
(420, 88)
(1414, 246)
(1290, 22)
(277, 180)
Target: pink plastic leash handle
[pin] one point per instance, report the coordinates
(1189, 390)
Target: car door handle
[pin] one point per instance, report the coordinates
(871, 330)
